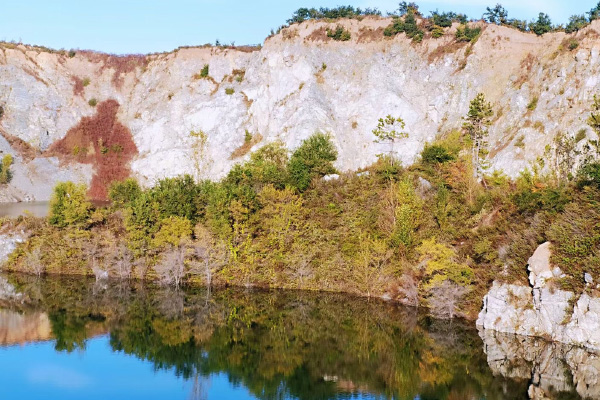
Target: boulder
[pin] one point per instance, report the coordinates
(539, 266)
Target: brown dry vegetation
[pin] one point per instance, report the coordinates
(245, 148)
(318, 35)
(120, 64)
(526, 67)
(25, 150)
(100, 140)
(77, 86)
(366, 35)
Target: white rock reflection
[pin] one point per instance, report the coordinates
(552, 368)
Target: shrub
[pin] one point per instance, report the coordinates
(466, 34)
(304, 14)
(176, 197)
(173, 230)
(407, 25)
(69, 205)
(339, 34)
(589, 175)
(532, 104)
(93, 102)
(5, 172)
(85, 82)
(314, 158)
(229, 91)
(436, 154)
(204, 71)
(123, 193)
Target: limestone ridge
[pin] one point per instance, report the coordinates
(299, 82)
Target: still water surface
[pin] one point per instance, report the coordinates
(36, 208)
(75, 339)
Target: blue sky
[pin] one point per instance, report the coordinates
(143, 26)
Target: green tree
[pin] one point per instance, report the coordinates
(69, 205)
(389, 130)
(476, 126)
(576, 22)
(125, 192)
(5, 172)
(542, 25)
(314, 158)
(594, 13)
(496, 15)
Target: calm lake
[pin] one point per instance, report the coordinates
(36, 208)
(74, 339)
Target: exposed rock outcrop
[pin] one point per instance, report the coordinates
(296, 84)
(542, 311)
(8, 243)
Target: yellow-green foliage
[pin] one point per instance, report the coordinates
(69, 205)
(5, 173)
(173, 230)
(408, 213)
(440, 265)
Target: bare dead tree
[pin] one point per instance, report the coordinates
(444, 299)
(408, 290)
(34, 262)
(120, 261)
(210, 255)
(91, 250)
(171, 268)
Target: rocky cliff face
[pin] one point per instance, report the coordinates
(299, 82)
(543, 310)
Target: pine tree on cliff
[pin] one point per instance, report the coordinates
(476, 125)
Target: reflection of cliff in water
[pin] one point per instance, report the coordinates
(554, 370)
(18, 328)
(277, 344)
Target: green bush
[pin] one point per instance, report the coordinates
(466, 34)
(176, 197)
(204, 71)
(339, 34)
(314, 158)
(436, 154)
(124, 193)
(304, 14)
(229, 91)
(407, 25)
(69, 205)
(589, 175)
(93, 102)
(5, 172)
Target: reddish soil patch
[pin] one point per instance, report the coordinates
(100, 140)
(25, 150)
(77, 86)
(367, 35)
(120, 64)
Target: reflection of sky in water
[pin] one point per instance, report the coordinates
(37, 371)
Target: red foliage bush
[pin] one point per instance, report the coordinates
(120, 64)
(77, 86)
(100, 140)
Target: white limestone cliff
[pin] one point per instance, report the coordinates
(299, 82)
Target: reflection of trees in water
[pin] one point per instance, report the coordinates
(275, 343)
